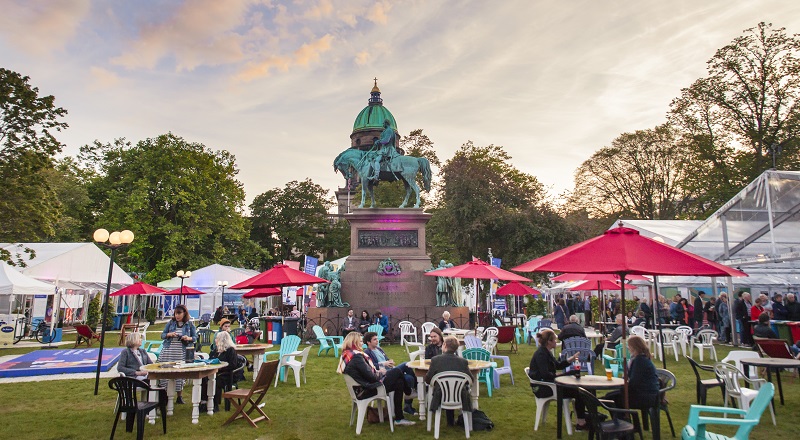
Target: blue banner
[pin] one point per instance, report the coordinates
(311, 265)
(496, 262)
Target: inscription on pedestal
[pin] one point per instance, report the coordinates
(388, 238)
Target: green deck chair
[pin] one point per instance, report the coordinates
(696, 427)
(378, 329)
(487, 374)
(327, 342)
(615, 362)
(289, 345)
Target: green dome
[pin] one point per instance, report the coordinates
(373, 115)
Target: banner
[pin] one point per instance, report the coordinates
(311, 265)
(293, 264)
(496, 262)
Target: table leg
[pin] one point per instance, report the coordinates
(197, 385)
(559, 411)
(473, 391)
(212, 390)
(153, 398)
(170, 396)
(423, 411)
(780, 386)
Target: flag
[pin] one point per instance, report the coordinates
(311, 265)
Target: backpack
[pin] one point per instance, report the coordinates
(242, 339)
(480, 422)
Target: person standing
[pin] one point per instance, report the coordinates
(449, 361)
(792, 307)
(757, 309)
(648, 313)
(178, 334)
(723, 314)
(587, 311)
(699, 304)
(560, 313)
(779, 311)
(742, 312)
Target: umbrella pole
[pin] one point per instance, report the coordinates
(660, 328)
(623, 342)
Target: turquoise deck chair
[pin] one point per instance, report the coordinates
(696, 426)
(327, 342)
(378, 329)
(487, 374)
(615, 363)
(289, 345)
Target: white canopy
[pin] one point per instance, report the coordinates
(12, 282)
(206, 279)
(82, 264)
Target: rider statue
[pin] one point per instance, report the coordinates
(385, 148)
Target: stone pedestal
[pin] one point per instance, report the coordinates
(399, 235)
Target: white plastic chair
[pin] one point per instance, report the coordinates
(684, 334)
(489, 332)
(361, 405)
(451, 383)
(730, 376)
(414, 350)
(407, 330)
(703, 340)
(298, 366)
(502, 369)
(490, 344)
(736, 357)
(543, 403)
(670, 341)
(640, 331)
(426, 331)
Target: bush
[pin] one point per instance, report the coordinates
(94, 313)
(151, 314)
(535, 306)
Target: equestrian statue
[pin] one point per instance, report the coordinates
(383, 162)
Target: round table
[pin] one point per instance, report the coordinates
(589, 382)
(421, 368)
(256, 350)
(771, 364)
(170, 372)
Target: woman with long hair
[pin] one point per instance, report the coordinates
(358, 365)
(178, 334)
(365, 322)
(642, 379)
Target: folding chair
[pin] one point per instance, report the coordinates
(245, 396)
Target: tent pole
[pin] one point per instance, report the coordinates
(623, 342)
(656, 307)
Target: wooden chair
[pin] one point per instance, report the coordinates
(126, 329)
(85, 335)
(252, 396)
(506, 335)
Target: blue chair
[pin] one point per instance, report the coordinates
(585, 356)
(327, 342)
(696, 426)
(286, 354)
(378, 329)
(487, 374)
(615, 362)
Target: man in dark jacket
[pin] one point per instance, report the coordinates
(742, 312)
(449, 361)
(779, 311)
(571, 330)
(792, 308)
(698, 308)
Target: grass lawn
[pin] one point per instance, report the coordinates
(67, 409)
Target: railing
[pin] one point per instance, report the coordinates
(333, 325)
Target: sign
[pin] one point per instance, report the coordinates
(311, 265)
(496, 262)
(388, 238)
(500, 304)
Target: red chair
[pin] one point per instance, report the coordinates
(506, 334)
(85, 335)
(774, 348)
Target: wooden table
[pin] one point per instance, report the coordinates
(256, 350)
(421, 368)
(589, 383)
(770, 364)
(458, 332)
(167, 371)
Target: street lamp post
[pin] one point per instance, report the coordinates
(183, 275)
(113, 241)
(222, 285)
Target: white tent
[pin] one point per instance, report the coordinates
(13, 282)
(81, 264)
(206, 279)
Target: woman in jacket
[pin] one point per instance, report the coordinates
(642, 378)
(134, 357)
(365, 322)
(178, 334)
(756, 310)
(356, 364)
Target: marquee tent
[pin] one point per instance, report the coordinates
(206, 279)
(13, 282)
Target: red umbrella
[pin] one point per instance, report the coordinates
(279, 276)
(477, 269)
(263, 292)
(515, 288)
(600, 285)
(624, 251)
(596, 277)
(186, 291)
(138, 288)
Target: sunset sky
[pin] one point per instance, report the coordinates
(279, 84)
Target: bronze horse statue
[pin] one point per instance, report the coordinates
(406, 167)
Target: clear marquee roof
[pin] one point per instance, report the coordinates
(756, 231)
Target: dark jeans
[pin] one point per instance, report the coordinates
(746, 334)
(395, 381)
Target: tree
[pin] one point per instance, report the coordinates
(28, 206)
(180, 199)
(292, 221)
(485, 202)
(68, 182)
(746, 106)
(640, 175)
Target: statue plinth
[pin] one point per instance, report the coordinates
(378, 234)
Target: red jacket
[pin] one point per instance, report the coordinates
(755, 312)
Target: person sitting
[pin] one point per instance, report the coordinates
(253, 314)
(134, 357)
(218, 315)
(241, 316)
(224, 326)
(446, 323)
(356, 364)
(349, 323)
(295, 313)
(381, 360)
(543, 368)
(364, 322)
(449, 361)
(641, 377)
(571, 330)
(763, 329)
(640, 319)
(615, 335)
(225, 351)
(253, 334)
(381, 320)
(436, 338)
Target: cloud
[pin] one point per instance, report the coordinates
(303, 56)
(362, 58)
(377, 14)
(103, 78)
(42, 26)
(322, 10)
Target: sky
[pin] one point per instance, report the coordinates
(279, 84)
